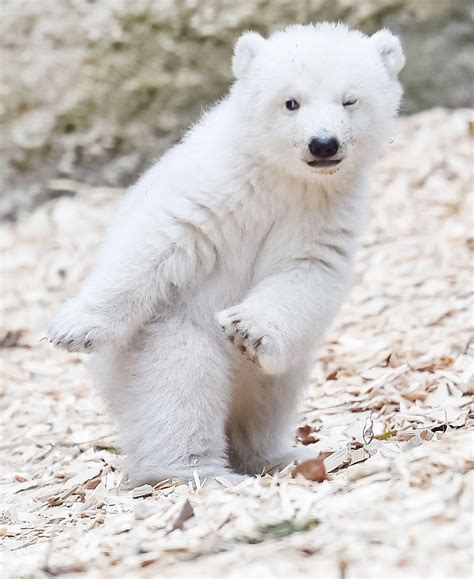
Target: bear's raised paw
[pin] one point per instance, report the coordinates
(256, 341)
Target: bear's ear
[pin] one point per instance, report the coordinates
(245, 50)
(390, 51)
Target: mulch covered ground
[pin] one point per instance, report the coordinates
(390, 404)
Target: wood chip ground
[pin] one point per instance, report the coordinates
(390, 404)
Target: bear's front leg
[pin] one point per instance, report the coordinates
(123, 292)
(107, 311)
(76, 329)
(257, 339)
(140, 268)
(285, 315)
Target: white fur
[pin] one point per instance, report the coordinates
(230, 257)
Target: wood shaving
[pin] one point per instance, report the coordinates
(389, 406)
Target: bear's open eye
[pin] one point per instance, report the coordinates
(349, 102)
(292, 105)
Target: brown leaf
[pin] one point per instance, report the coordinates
(92, 483)
(311, 469)
(305, 436)
(304, 431)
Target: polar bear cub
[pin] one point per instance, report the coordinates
(230, 257)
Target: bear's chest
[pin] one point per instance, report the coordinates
(290, 235)
(261, 240)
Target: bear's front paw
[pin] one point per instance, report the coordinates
(76, 330)
(257, 341)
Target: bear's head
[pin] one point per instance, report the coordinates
(318, 99)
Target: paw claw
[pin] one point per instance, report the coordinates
(254, 339)
(77, 330)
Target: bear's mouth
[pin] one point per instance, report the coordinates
(324, 162)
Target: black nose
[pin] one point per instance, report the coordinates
(324, 147)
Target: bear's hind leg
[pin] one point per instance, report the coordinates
(171, 399)
(262, 423)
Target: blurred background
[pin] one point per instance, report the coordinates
(94, 90)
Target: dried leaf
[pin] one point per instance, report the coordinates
(92, 483)
(305, 436)
(313, 470)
